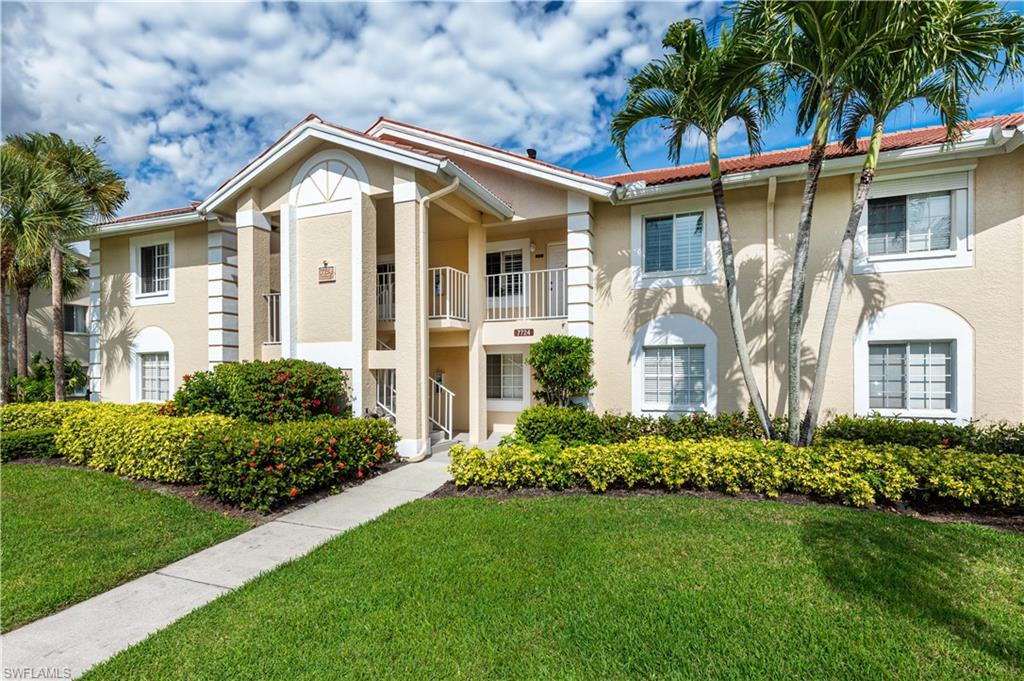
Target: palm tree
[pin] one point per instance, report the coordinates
(816, 44)
(699, 86)
(101, 191)
(954, 46)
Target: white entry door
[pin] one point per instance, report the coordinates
(557, 281)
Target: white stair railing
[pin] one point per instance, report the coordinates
(449, 294)
(386, 296)
(538, 294)
(387, 395)
(441, 402)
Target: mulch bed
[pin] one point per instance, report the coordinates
(945, 512)
(194, 495)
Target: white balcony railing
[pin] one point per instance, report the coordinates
(538, 294)
(386, 296)
(449, 294)
(273, 317)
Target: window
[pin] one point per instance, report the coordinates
(75, 319)
(674, 378)
(503, 270)
(910, 224)
(911, 375)
(155, 376)
(154, 269)
(674, 243)
(505, 377)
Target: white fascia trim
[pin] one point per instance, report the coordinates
(313, 129)
(484, 197)
(969, 148)
(149, 223)
(593, 187)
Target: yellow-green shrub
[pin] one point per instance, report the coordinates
(34, 415)
(134, 440)
(850, 472)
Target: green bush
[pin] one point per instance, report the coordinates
(266, 392)
(574, 425)
(31, 442)
(259, 466)
(849, 472)
(39, 414)
(37, 386)
(563, 367)
(999, 438)
(133, 440)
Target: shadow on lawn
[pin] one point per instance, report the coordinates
(915, 572)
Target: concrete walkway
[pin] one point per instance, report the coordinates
(72, 641)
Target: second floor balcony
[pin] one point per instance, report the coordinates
(536, 294)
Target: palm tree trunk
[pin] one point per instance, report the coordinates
(798, 283)
(5, 349)
(21, 331)
(57, 301)
(732, 291)
(835, 296)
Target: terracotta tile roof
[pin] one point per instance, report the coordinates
(166, 213)
(463, 140)
(786, 157)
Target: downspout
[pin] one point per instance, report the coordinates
(769, 246)
(424, 306)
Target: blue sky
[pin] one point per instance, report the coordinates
(185, 94)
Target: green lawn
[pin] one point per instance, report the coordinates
(592, 587)
(70, 533)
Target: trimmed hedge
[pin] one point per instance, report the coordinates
(133, 440)
(998, 438)
(258, 466)
(28, 443)
(852, 473)
(33, 415)
(267, 392)
(576, 426)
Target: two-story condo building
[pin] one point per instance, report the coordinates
(425, 265)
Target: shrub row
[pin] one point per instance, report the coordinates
(267, 392)
(258, 466)
(575, 425)
(35, 415)
(29, 442)
(852, 473)
(998, 438)
(134, 441)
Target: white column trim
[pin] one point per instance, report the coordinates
(95, 319)
(222, 287)
(580, 264)
(289, 311)
(357, 303)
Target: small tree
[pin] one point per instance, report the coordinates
(563, 367)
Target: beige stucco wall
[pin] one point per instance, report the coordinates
(989, 295)
(40, 326)
(184, 320)
(325, 310)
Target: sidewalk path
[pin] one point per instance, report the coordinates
(69, 643)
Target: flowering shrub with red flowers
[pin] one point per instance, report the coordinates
(267, 392)
(259, 466)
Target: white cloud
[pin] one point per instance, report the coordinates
(186, 93)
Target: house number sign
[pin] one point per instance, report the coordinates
(325, 273)
(520, 333)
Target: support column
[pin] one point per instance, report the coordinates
(477, 313)
(95, 322)
(580, 258)
(222, 293)
(289, 292)
(410, 315)
(368, 300)
(251, 243)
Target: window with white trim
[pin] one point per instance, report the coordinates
(674, 243)
(911, 375)
(910, 224)
(155, 376)
(505, 377)
(75, 318)
(674, 378)
(504, 272)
